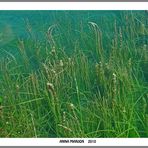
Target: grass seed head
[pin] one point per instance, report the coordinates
(64, 116)
(17, 86)
(69, 59)
(53, 51)
(61, 63)
(114, 74)
(114, 84)
(71, 106)
(50, 86)
(53, 71)
(142, 29)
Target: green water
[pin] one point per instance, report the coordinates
(68, 24)
(70, 28)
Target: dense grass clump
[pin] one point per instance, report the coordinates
(87, 77)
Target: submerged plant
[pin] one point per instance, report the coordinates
(75, 79)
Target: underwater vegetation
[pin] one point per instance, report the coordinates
(74, 74)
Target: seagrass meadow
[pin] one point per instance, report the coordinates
(74, 74)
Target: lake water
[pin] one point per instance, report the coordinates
(70, 28)
(14, 24)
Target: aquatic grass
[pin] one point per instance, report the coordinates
(98, 89)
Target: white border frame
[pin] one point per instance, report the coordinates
(55, 142)
(73, 6)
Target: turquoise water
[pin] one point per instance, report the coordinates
(69, 29)
(32, 27)
(14, 23)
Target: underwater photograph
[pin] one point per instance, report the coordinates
(69, 74)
